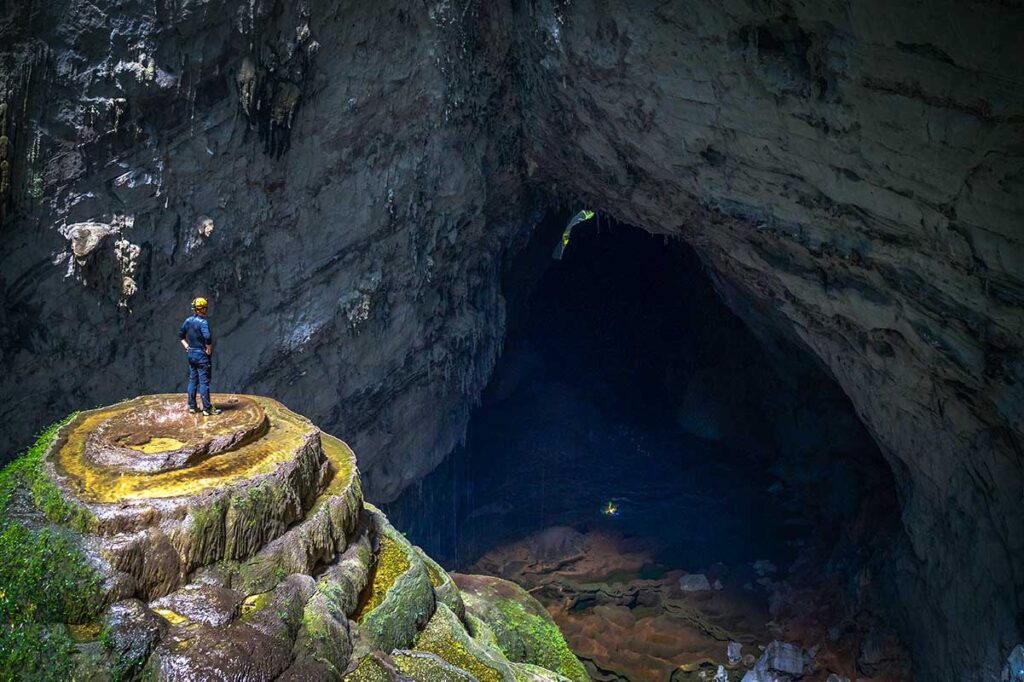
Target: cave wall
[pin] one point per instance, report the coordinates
(850, 171)
(352, 267)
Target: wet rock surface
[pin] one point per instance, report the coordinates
(259, 561)
(848, 170)
(146, 437)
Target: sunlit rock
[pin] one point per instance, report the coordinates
(228, 547)
(85, 237)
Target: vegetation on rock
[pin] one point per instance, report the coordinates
(45, 581)
(391, 562)
(447, 638)
(519, 624)
(217, 579)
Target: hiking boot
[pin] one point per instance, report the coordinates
(212, 411)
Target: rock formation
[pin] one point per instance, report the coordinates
(850, 171)
(237, 547)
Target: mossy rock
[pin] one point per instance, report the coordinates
(155, 527)
(446, 637)
(480, 630)
(445, 589)
(344, 579)
(323, 646)
(425, 667)
(224, 548)
(527, 672)
(522, 627)
(317, 538)
(46, 579)
(374, 667)
(399, 598)
(257, 646)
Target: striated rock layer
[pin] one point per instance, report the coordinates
(345, 180)
(256, 560)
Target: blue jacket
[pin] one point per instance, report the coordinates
(196, 330)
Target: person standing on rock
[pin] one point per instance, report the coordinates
(198, 344)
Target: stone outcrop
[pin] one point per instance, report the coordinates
(850, 172)
(253, 557)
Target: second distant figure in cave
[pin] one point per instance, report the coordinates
(198, 344)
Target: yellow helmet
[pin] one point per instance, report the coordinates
(199, 303)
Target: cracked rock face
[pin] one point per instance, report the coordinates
(850, 171)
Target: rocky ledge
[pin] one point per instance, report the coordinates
(141, 541)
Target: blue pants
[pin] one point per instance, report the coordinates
(199, 371)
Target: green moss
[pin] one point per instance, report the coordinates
(544, 642)
(522, 627)
(428, 667)
(252, 518)
(446, 637)
(391, 562)
(445, 589)
(432, 572)
(44, 578)
(481, 631)
(207, 533)
(315, 625)
(207, 519)
(28, 473)
(369, 670)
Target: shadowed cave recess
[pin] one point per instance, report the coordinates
(663, 480)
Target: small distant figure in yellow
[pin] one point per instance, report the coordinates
(198, 344)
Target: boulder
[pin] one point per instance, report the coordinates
(694, 582)
(522, 628)
(1014, 669)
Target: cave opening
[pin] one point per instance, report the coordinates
(637, 435)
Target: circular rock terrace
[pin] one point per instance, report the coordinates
(208, 532)
(168, 492)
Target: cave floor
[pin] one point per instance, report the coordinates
(627, 617)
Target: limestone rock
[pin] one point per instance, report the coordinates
(133, 632)
(1013, 671)
(778, 658)
(207, 604)
(694, 582)
(445, 637)
(782, 658)
(223, 536)
(520, 625)
(399, 599)
(85, 237)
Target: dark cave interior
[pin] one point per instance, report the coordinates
(632, 413)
